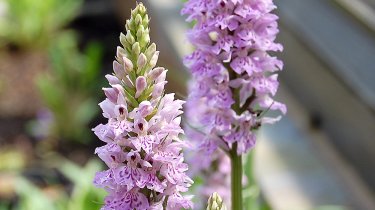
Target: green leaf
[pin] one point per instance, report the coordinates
(84, 195)
(36, 23)
(51, 94)
(86, 111)
(93, 60)
(31, 197)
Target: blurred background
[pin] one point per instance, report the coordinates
(53, 58)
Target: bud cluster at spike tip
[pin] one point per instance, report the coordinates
(233, 76)
(143, 150)
(215, 202)
(216, 178)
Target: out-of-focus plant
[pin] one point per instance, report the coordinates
(31, 197)
(11, 159)
(233, 78)
(69, 90)
(253, 198)
(84, 196)
(34, 23)
(216, 178)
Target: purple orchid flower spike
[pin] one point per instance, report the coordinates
(233, 76)
(143, 150)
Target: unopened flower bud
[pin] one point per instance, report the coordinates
(140, 85)
(141, 9)
(215, 202)
(140, 32)
(136, 49)
(111, 94)
(145, 20)
(134, 12)
(154, 59)
(155, 73)
(138, 19)
(120, 53)
(112, 79)
(118, 69)
(123, 39)
(129, 38)
(128, 81)
(158, 89)
(127, 25)
(150, 51)
(213, 35)
(145, 39)
(128, 64)
(162, 77)
(142, 60)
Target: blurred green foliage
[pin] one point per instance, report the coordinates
(253, 198)
(34, 23)
(70, 90)
(83, 196)
(11, 159)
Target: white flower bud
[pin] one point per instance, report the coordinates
(215, 202)
(213, 35)
(127, 24)
(129, 38)
(145, 39)
(140, 32)
(120, 53)
(136, 49)
(138, 19)
(145, 20)
(150, 51)
(123, 39)
(154, 59)
(141, 8)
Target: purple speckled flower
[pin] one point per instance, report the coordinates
(234, 76)
(143, 150)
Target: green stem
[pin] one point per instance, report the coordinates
(236, 178)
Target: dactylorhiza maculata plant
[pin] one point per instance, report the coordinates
(143, 150)
(233, 77)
